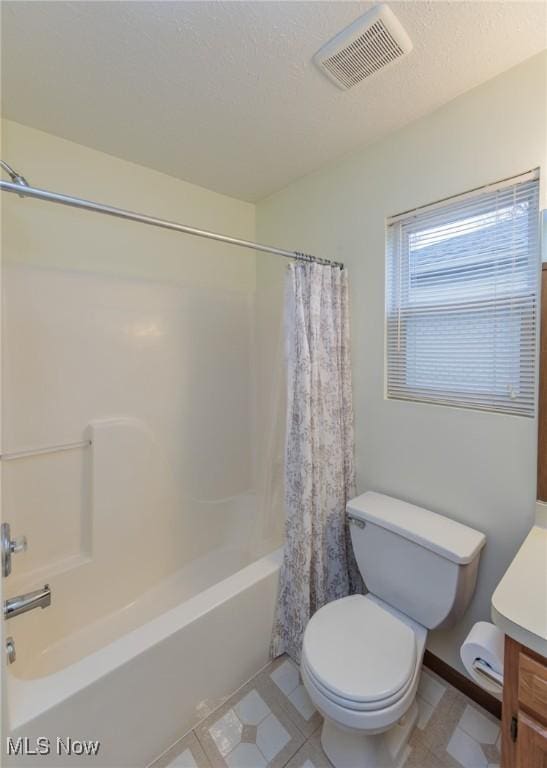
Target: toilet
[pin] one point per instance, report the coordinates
(362, 655)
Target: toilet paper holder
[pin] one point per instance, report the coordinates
(483, 668)
(482, 655)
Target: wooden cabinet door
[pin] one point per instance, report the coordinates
(531, 743)
(533, 687)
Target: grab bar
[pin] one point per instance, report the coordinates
(24, 452)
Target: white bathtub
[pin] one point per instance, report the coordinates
(139, 693)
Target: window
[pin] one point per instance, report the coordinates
(462, 285)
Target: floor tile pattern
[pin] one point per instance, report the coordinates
(271, 723)
(251, 729)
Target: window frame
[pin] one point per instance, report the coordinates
(441, 395)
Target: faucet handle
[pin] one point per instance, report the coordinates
(9, 547)
(19, 544)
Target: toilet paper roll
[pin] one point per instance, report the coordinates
(482, 656)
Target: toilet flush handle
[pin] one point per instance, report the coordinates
(356, 520)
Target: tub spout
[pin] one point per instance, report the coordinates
(40, 598)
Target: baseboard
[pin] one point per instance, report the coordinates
(463, 684)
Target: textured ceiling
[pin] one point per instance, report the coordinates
(224, 94)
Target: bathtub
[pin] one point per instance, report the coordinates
(138, 679)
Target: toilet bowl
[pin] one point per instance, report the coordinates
(369, 685)
(362, 655)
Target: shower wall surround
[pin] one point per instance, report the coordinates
(144, 342)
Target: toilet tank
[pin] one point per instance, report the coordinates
(417, 561)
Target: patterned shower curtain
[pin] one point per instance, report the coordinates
(318, 564)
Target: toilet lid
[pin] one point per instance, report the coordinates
(358, 650)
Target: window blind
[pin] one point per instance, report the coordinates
(462, 288)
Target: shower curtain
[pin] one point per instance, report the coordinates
(318, 564)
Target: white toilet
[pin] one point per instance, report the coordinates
(362, 655)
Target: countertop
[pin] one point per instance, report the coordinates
(519, 604)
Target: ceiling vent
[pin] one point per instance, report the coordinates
(369, 44)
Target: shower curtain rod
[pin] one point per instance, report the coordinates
(19, 186)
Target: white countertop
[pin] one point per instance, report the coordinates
(519, 604)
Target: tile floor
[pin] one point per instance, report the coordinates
(271, 722)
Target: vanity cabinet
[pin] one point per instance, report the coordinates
(524, 711)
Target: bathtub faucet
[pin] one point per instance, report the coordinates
(40, 598)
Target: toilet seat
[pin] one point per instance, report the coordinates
(358, 655)
(349, 704)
